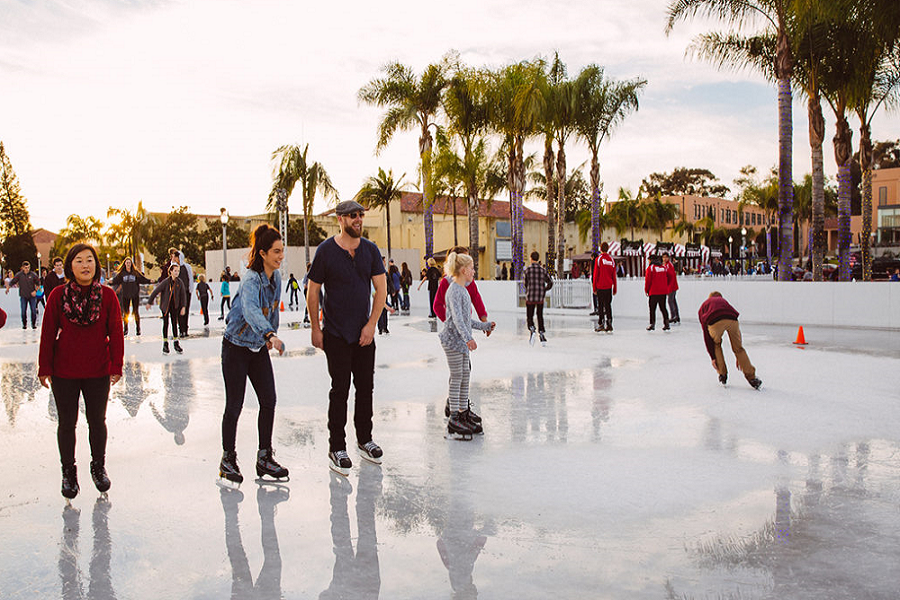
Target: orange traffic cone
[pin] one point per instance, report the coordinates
(282, 306)
(801, 340)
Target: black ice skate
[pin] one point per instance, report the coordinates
(651, 327)
(598, 328)
(666, 327)
(98, 474)
(266, 465)
(470, 414)
(165, 347)
(178, 347)
(723, 379)
(755, 383)
(229, 472)
(371, 452)
(531, 337)
(125, 332)
(466, 416)
(69, 481)
(543, 339)
(339, 462)
(458, 428)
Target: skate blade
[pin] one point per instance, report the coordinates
(459, 437)
(275, 484)
(272, 479)
(228, 484)
(339, 470)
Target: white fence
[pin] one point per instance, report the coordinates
(571, 293)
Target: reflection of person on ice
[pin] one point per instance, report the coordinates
(716, 317)
(457, 341)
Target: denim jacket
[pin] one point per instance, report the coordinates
(254, 310)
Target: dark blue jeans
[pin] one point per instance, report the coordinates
(345, 360)
(238, 365)
(25, 303)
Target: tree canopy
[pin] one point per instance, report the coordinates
(683, 182)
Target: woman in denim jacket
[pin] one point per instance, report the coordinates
(250, 332)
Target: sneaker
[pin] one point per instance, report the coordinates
(98, 474)
(165, 347)
(755, 383)
(723, 379)
(371, 452)
(69, 481)
(266, 465)
(228, 467)
(339, 462)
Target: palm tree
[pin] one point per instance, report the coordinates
(515, 107)
(134, 226)
(603, 104)
(293, 166)
(465, 104)
(545, 127)
(378, 192)
(411, 102)
(776, 14)
(447, 178)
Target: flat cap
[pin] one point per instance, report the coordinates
(348, 206)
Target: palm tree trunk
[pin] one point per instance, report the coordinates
(519, 225)
(387, 213)
(785, 179)
(472, 193)
(865, 163)
(560, 208)
(816, 139)
(455, 228)
(306, 234)
(843, 140)
(595, 201)
(427, 199)
(513, 205)
(551, 204)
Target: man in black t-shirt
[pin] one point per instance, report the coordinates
(347, 266)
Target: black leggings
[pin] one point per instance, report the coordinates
(168, 317)
(204, 308)
(129, 304)
(238, 365)
(225, 300)
(660, 301)
(96, 397)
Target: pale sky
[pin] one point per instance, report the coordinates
(108, 102)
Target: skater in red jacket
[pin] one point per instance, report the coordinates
(657, 282)
(674, 317)
(716, 317)
(605, 287)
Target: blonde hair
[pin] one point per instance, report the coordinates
(431, 262)
(456, 262)
(201, 277)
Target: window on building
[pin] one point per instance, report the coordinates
(882, 195)
(734, 216)
(504, 230)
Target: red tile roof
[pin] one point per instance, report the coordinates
(42, 236)
(499, 209)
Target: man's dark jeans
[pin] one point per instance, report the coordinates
(344, 360)
(24, 304)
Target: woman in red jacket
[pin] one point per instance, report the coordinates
(81, 353)
(657, 282)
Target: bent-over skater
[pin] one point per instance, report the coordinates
(716, 317)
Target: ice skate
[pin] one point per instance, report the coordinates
(178, 347)
(598, 328)
(755, 383)
(229, 471)
(666, 327)
(533, 335)
(477, 427)
(267, 466)
(371, 452)
(543, 339)
(609, 328)
(651, 327)
(98, 474)
(69, 482)
(339, 462)
(723, 379)
(125, 330)
(458, 428)
(137, 330)
(470, 412)
(165, 347)
(447, 408)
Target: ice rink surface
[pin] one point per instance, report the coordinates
(612, 466)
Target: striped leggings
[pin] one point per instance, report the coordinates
(460, 367)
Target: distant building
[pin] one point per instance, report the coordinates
(43, 241)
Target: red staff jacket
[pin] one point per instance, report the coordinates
(605, 273)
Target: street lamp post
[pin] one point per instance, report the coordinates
(730, 248)
(107, 265)
(223, 217)
(39, 263)
(743, 248)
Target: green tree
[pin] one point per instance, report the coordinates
(760, 193)
(178, 229)
(78, 229)
(210, 238)
(297, 229)
(603, 104)
(16, 249)
(130, 231)
(411, 102)
(683, 182)
(14, 218)
(776, 14)
(380, 191)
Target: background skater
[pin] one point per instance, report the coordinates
(716, 317)
(605, 285)
(674, 317)
(347, 266)
(657, 282)
(537, 282)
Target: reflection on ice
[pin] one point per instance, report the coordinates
(72, 581)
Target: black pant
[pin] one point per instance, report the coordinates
(131, 306)
(170, 317)
(604, 298)
(183, 319)
(295, 297)
(204, 308)
(96, 395)
(383, 321)
(238, 365)
(345, 360)
(529, 315)
(658, 300)
(431, 295)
